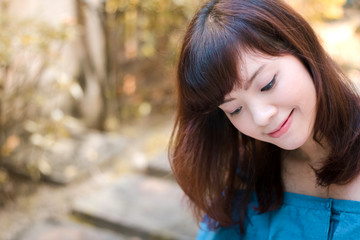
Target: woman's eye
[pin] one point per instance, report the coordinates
(236, 111)
(270, 84)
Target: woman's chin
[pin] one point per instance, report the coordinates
(290, 145)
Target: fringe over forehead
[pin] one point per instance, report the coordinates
(219, 34)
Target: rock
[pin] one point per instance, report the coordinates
(159, 166)
(139, 204)
(66, 159)
(56, 230)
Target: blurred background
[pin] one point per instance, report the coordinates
(87, 104)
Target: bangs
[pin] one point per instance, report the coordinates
(211, 69)
(209, 66)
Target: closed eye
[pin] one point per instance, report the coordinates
(235, 112)
(270, 84)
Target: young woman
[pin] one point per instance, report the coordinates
(267, 136)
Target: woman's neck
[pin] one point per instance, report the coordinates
(298, 169)
(313, 153)
(299, 176)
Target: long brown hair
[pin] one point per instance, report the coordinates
(210, 159)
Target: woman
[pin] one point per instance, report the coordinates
(266, 142)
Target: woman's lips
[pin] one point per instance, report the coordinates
(283, 128)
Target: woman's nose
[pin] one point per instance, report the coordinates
(262, 113)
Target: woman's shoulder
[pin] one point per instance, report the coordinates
(300, 217)
(349, 191)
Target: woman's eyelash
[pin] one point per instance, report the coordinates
(270, 84)
(236, 111)
(266, 88)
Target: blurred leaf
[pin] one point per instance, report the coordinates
(70, 171)
(44, 166)
(3, 177)
(11, 143)
(129, 87)
(319, 9)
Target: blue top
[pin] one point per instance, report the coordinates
(299, 217)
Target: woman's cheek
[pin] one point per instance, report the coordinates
(244, 126)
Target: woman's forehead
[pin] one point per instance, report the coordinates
(250, 65)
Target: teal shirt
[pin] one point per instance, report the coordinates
(299, 217)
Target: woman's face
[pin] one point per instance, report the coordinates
(276, 103)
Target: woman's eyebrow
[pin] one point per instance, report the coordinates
(247, 83)
(250, 81)
(227, 100)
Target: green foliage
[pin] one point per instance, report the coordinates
(146, 37)
(153, 24)
(316, 10)
(28, 50)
